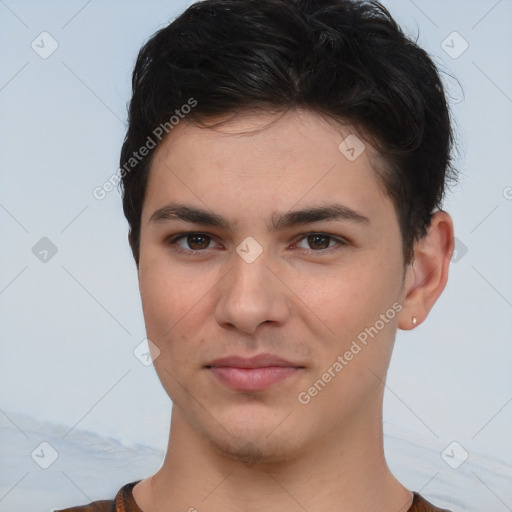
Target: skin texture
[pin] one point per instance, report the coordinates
(303, 301)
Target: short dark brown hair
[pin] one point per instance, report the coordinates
(345, 59)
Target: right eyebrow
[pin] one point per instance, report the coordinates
(190, 214)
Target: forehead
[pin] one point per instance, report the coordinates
(259, 161)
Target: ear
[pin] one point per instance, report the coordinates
(425, 278)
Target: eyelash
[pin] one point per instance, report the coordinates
(172, 241)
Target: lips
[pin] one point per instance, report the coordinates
(259, 361)
(252, 374)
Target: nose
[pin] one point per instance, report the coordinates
(251, 295)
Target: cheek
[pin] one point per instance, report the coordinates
(169, 307)
(166, 298)
(175, 303)
(348, 297)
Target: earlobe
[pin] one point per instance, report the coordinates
(408, 318)
(427, 275)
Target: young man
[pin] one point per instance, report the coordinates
(283, 173)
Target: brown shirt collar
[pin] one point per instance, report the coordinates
(124, 502)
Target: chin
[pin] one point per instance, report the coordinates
(257, 448)
(249, 431)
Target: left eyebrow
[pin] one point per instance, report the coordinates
(329, 212)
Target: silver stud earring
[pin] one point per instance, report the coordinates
(414, 321)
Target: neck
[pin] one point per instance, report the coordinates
(345, 470)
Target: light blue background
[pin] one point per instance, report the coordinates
(69, 326)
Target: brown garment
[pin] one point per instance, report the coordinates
(124, 502)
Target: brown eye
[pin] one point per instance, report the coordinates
(192, 244)
(318, 241)
(198, 242)
(321, 243)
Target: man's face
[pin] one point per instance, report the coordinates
(306, 289)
